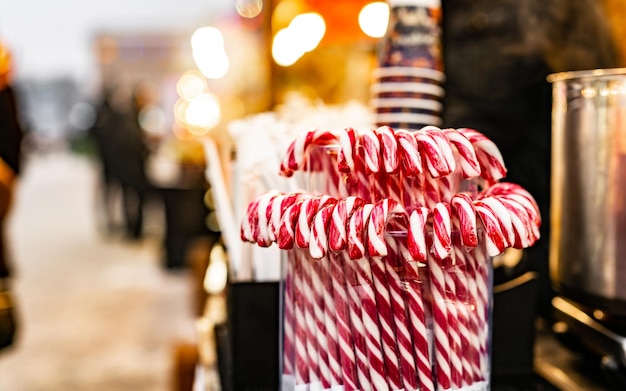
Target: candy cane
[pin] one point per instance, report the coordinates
(389, 148)
(304, 361)
(489, 157)
(289, 318)
(470, 167)
(387, 291)
(369, 313)
(296, 154)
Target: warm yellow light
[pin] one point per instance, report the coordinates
(207, 38)
(191, 84)
(302, 35)
(207, 45)
(180, 107)
(217, 273)
(249, 8)
(286, 49)
(308, 29)
(203, 112)
(212, 65)
(373, 19)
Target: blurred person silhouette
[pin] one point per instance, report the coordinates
(11, 135)
(123, 152)
(497, 57)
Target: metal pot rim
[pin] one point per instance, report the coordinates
(586, 74)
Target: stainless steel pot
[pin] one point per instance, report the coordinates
(588, 220)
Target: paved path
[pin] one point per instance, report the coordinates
(97, 313)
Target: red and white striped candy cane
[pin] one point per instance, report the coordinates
(480, 261)
(409, 153)
(278, 208)
(385, 298)
(337, 236)
(295, 157)
(463, 207)
(440, 323)
(371, 150)
(264, 212)
(347, 301)
(314, 287)
(436, 162)
(444, 146)
(303, 361)
(442, 228)
(503, 216)
(321, 223)
(496, 241)
(489, 156)
(389, 148)
(248, 223)
(286, 231)
(386, 258)
(416, 239)
(522, 223)
(347, 149)
(316, 346)
(458, 293)
(289, 317)
(470, 167)
(364, 290)
(318, 244)
(417, 251)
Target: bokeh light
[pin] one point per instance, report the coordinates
(249, 8)
(374, 18)
(308, 29)
(207, 45)
(286, 49)
(303, 35)
(202, 113)
(191, 84)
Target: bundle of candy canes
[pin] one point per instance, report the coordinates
(387, 282)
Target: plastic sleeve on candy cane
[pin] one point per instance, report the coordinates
(511, 189)
(371, 151)
(381, 212)
(442, 231)
(470, 167)
(337, 234)
(496, 241)
(294, 158)
(445, 148)
(347, 148)
(389, 148)
(409, 153)
(530, 232)
(429, 149)
(503, 216)
(520, 224)
(264, 212)
(489, 156)
(309, 209)
(247, 228)
(464, 211)
(279, 205)
(286, 232)
(416, 239)
(318, 245)
(356, 229)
